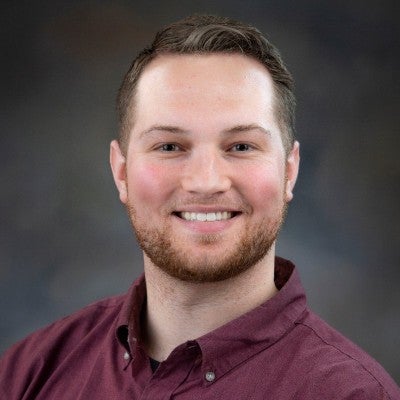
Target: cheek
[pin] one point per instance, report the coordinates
(148, 183)
(264, 189)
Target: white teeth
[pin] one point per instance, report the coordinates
(211, 217)
(217, 216)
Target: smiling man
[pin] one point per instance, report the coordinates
(205, 164)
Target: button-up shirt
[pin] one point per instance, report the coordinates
(279, 350)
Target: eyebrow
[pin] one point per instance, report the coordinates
(163, 128)
(246, 128)
(180, 131)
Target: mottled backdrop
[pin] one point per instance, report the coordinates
(65, 240)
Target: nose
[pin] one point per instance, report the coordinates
(206, 172)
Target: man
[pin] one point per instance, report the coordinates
(205, 164)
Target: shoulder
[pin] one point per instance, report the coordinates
(339, 364)
(74, 326)
(46, 348)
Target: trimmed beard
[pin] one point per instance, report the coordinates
(165, 253)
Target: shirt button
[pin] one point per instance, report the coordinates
(210, 376)
(126, 356)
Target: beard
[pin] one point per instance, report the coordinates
(166, 253)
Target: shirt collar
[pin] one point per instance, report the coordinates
(128, 324)
(234, 342)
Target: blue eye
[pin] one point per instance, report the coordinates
(241, 147)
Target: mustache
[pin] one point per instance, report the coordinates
(223, 202)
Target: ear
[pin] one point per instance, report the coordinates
(118, 167)
(292, 170)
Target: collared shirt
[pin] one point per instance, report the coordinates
(280, 351)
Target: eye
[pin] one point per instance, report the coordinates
(169, 147)
(241, 147)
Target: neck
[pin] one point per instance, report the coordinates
(179, 311)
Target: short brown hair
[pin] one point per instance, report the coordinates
(200, 34)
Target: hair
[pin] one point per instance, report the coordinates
(205, 34)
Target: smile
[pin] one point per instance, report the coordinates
(206, 217)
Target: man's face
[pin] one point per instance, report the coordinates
(205, 179)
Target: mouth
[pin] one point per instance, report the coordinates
(206, 216)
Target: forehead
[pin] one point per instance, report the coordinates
(190, 72)
(180, 89)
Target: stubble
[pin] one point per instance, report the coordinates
(252, 245)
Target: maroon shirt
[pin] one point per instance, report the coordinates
(280, 351)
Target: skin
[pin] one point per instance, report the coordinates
(204, 139)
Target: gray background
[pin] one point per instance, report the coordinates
(65, 239)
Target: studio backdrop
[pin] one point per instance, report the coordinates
(65, 238)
